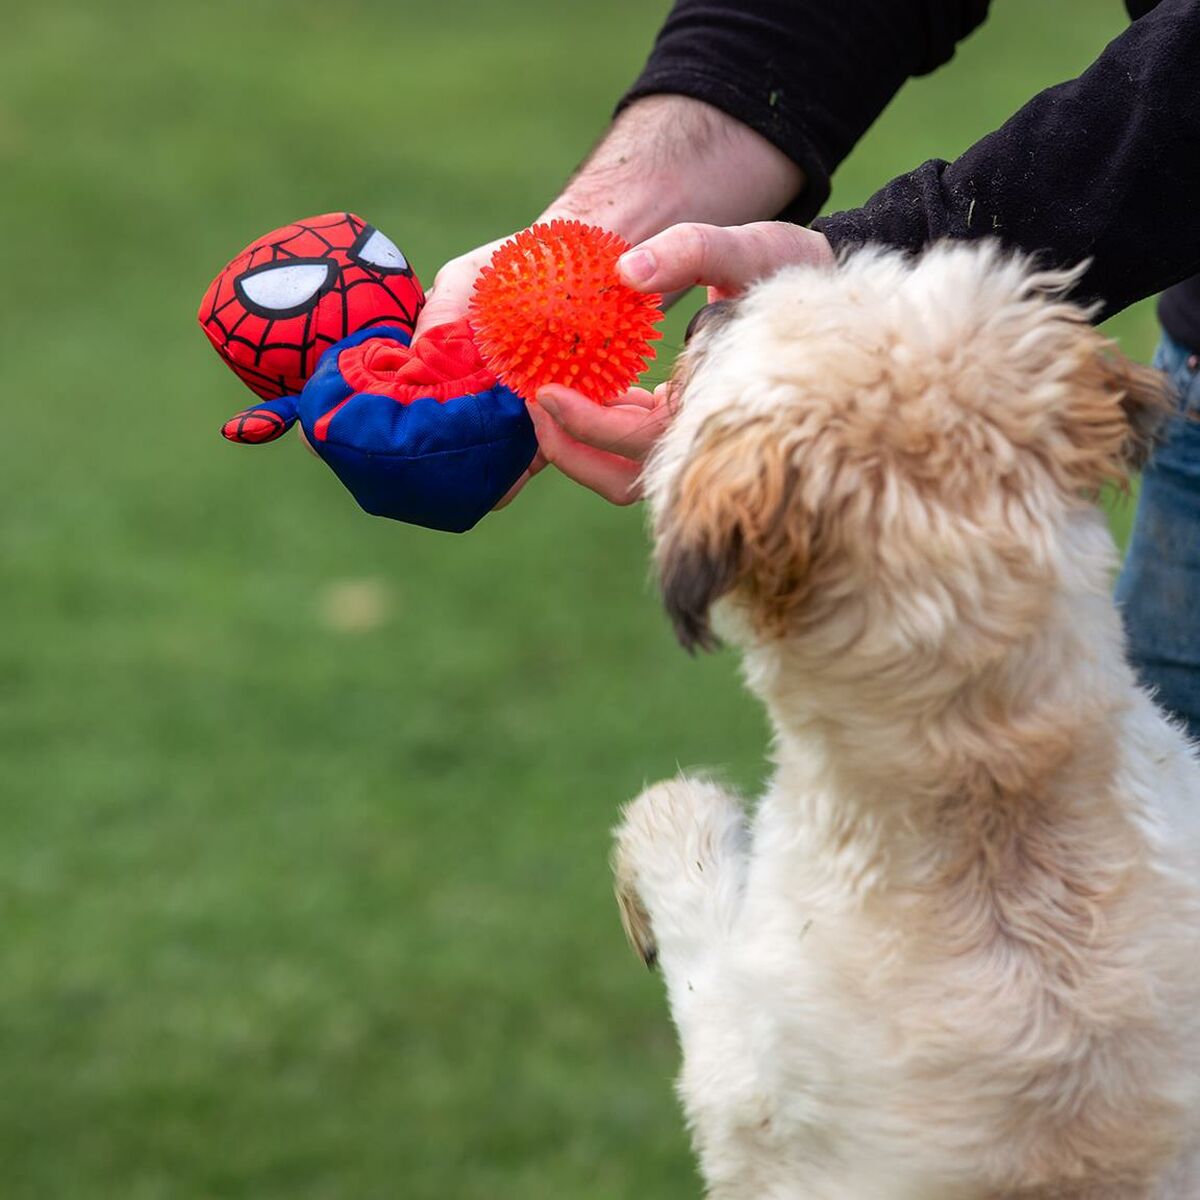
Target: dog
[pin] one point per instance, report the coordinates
(954, 952)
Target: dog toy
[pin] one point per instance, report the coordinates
(317, 317)
(550, 308)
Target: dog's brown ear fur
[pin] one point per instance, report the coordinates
(734, 521)
(1115, 415)
(1148, 400)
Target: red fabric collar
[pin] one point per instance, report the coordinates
(443, 364)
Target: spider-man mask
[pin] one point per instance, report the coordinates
(317, 319)
(277, 307)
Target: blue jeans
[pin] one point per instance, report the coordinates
(1159, 586)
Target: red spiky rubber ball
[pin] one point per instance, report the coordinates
(550, 308)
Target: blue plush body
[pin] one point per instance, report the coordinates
(443, 464)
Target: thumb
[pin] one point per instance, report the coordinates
(441, 308)
(727, 259)
(450, 295)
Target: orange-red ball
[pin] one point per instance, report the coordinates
(550, 308)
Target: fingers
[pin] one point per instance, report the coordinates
(638, 396)
(513, 492)
(609, 475)
(599, 446)
(450, 295)
(628, 430)
(726, 260)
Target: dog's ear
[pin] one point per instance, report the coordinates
(734, 520)
(1114, 416)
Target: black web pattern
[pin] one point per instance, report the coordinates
(402, 287)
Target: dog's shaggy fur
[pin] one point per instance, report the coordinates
(955, 952)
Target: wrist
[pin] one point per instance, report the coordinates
(627, 197)
(635, 218)
(669, 159)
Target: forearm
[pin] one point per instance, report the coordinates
(667, 159)
(1105, 167)
(663, 161)
(808, 76)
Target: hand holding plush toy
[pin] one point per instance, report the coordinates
(317, 319)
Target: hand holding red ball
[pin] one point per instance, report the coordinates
(603, 446)
(550, 308)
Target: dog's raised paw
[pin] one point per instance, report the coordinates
(635, 920)
(677, 864)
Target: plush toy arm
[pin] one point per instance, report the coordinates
(263, 422)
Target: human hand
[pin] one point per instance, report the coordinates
(448, 298)
(725, 260)
(603, 447)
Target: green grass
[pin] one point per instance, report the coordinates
(291, 908)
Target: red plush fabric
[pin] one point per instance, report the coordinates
(443, 364)
(291, 294)
(255, 426)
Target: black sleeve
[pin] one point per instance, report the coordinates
(809, 75)
(1105, 167)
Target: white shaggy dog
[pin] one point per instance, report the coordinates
(955, 951)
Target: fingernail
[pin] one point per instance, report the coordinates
(638, 266)
(548, 402)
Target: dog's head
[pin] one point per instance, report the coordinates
(888, 452)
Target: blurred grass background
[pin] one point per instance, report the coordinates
(303, 883)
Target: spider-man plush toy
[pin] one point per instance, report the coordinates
(316, 318)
